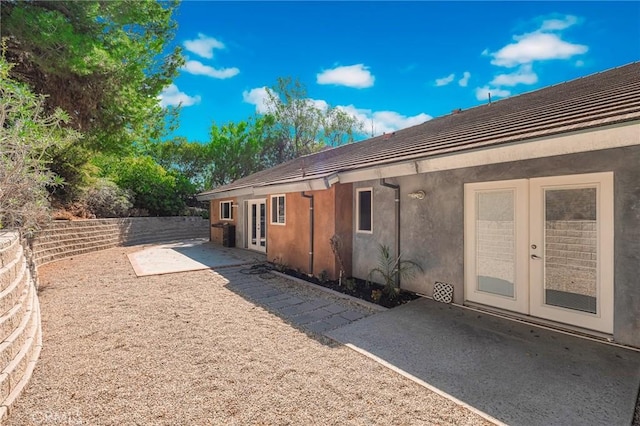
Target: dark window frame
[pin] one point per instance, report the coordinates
(364, 226)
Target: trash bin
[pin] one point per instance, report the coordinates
(229, 235)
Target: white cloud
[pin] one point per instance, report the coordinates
(257, 97)
(319, 103)
(379, 122)
(558, 24)
(198, 68)
(464, 81)
(482, 93)
(357, 76)
(536, 47)
(203, 46)
(445, 80)
(542, 44)
(524, 75)
(172, 96)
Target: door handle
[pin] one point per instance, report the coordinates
(533, 256)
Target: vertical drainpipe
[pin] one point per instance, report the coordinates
(311, 233)
(383, 182)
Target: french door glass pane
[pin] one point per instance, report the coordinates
(495, 240)
(570, 258)
(263, 224)
(254, 222)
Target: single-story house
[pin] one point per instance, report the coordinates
(528, 206)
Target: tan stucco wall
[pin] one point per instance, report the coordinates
(325, 225)
(215, 234)
(344, 223)
(289, 243)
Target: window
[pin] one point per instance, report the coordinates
(226, 210)
(364, 210)
(277, 209)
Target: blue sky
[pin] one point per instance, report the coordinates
(390, 64)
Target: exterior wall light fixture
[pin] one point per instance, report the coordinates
(418, 195)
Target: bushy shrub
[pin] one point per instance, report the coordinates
(160, 192)
(106, 199)
(27, 136)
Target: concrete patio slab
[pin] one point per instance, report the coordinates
(515, 372)
(189, 255)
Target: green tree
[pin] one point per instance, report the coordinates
(191, 159)
(239, 149)
(303, 126)
(27, 135)
(154, 189)
(101, 61)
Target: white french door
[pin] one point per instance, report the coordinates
(543, 247)
(257, 225)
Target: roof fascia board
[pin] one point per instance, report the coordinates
(616, 136)
(226, 194)
(283, 188)
(386, 171)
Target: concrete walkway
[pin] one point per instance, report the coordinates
(189, 255)
(515, 372)
(316, 311)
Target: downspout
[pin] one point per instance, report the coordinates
(311, 233)
(383, 182)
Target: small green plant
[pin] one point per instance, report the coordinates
(350, 284)
(323, 277)
(392, 269)
(376, 295)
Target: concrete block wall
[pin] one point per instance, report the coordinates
(62, 239)
(20, 326)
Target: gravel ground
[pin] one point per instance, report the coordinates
(183, 349)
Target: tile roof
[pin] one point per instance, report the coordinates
(605, 98)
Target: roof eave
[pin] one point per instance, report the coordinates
(238, 192)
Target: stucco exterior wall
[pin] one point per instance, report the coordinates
(344, 225)
(432, 230)
(215, 234)
(290, 243)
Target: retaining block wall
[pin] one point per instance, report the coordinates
(20, 328)
(62, 239)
